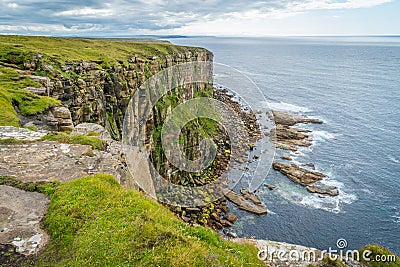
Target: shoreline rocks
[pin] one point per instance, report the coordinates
(297, 174)
(248, 202)
(310, 179)
(289, 138)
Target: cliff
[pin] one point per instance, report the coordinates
(94, 78)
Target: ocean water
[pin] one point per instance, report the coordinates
(353, 84)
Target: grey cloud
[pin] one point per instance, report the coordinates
(122, 15)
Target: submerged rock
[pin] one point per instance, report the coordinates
(270, 187)
(286, 157)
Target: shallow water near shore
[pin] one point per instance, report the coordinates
(353, 85)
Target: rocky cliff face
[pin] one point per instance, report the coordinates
(100, 94)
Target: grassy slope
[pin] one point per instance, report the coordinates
(93, 221)
(11, 83)
(16, 49)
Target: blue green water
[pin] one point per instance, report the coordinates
(353, 84)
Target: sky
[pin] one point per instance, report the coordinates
(116, 18)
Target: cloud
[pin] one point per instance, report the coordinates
(123, 17)
(85, 12)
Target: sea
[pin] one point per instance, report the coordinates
(353, 85)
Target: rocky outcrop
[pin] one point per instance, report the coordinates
(297, 174)
(248, 202)
(322, 189)
(289, 138)
(285, 119)
(52, 161)
(20, 220)
(310, 179)
(57, 119)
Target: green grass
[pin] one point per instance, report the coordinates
(96, 143)
(32, 128)
(11, 83)
(93, 221)
(11, 141)
(16, 50)
(47, 188)
(378, 250)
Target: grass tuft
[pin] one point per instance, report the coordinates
(66, 138)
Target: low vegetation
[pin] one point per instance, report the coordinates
(93, 221)
(15, 50)
(81, 139)
(379, 257)
(47, 188)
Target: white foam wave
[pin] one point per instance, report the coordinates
(331, 204)
(393, 159)
(322, 136)
(282, 106)
(396, 217)
(314, 201)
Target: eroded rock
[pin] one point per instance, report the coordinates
(245, 204)
(297, 174)
(50, 161)
(22, 134)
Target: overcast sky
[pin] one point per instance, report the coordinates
(200, 17)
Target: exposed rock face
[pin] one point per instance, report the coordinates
(36, 90)
(20, 220)
(88, 128)
(11, 132)
(55, 119)
(52, 161)
(102, 95)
